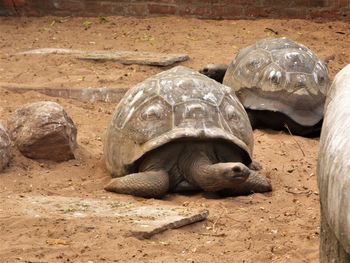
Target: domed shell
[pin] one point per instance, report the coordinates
(175, 104)
(280, 75)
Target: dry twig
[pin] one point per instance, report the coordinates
(285, 125)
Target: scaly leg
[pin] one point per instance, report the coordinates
(146, 184)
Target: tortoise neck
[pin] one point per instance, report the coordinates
(197, 166)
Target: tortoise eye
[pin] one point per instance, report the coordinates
(231, 113)
(153, 112)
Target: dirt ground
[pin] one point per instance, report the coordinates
(281, 226)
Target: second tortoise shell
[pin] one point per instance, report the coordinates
(277, 74)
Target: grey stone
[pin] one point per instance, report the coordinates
(124, 57)
(43, 130)
(5, 148)
(85, 94)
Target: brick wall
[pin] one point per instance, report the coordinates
(196, 8)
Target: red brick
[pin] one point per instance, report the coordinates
(296, 12)
(257, 11)
(104, 8)
(136, 9)
(162, 9)
(240, 2)
(228, 11)
(197, 2)
(324, 13)
(197, 8)
(19, 3)
(344, 3)
(71, 5)
(216, 11)
(202, 12)
(6, 8)
(317, 3)
(8, 4)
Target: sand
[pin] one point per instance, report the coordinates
(281, 226)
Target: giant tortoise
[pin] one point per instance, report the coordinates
(281, 84)
(333, 172)
(180, 130)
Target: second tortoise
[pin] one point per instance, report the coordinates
(281, 83)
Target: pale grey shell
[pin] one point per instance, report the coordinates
(333, 169)
(177, 103)
(277, 74)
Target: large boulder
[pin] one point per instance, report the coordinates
(5, 148)
(43, 130)
(333, 172)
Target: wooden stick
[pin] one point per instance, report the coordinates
(285, 125)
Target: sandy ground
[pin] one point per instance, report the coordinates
(282, 226)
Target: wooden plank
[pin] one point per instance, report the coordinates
(134, 218)
(333, 171)
(124, 57)
(88, 94)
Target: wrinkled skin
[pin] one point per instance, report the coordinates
(191, 166)
(264, 118)
(215, 71)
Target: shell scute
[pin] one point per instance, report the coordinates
(152, 118)
(179, 90)
(249, 68)
(132, 100)
(294, 60)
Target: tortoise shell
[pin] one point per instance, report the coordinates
(179, 103)
(280, 75)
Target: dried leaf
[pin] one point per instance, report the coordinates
(270, 31)
(87, 24)
(53, 242)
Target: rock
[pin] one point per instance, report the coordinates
(124, 57)
(144, 231)
(43, 130)
(5, 148)
(85, 94)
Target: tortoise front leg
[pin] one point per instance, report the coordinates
(254, 165)
(146, 184)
